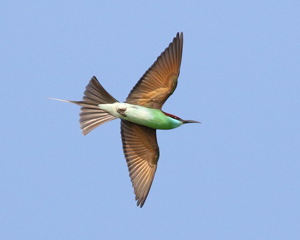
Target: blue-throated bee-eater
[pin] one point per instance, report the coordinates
(140, 115)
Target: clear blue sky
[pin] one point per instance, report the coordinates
(235, 176)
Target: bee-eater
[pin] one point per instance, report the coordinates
(140, 115)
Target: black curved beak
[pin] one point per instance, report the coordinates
(189, 121)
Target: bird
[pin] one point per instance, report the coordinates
(141, 115)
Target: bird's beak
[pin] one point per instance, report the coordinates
(189, 121)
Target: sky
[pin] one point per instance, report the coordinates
(234, 176)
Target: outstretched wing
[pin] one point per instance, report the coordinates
(160, 80)
(141, 153)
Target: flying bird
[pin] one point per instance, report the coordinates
(140, 115)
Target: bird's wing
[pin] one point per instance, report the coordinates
(160, 80)
(141, 153)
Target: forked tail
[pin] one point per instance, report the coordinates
(91, 116)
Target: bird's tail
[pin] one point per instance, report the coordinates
(91, 116)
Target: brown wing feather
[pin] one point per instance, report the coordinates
(141, 153)
(160, 80)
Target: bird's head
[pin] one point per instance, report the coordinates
(178, 121)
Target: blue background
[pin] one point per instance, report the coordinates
(235, 176)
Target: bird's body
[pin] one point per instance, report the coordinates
(140, 115)
(149, 117)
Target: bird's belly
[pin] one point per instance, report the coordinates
(149, 117)
(152, 118)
